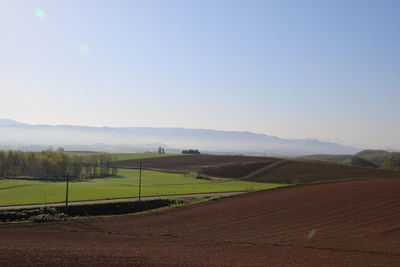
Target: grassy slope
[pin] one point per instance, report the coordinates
(125, 156)
(13, 192)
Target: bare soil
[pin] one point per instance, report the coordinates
(304, 171)
(190, 162)
(355, 223)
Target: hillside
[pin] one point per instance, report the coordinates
(379, 156)
(336, 224)
(296, 171)
(367, 158)
(260, 169)
(191, 162)
(341, 159)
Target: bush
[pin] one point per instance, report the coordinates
(48, 217)
(36, 215)
(120, 207)
(58, 213)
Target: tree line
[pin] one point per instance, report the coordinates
(53, 164)
(190, 151)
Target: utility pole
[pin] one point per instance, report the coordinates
(140, 179)
(66, 195)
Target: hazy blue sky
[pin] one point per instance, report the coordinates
(326, 69)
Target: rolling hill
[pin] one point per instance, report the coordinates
(260, 169)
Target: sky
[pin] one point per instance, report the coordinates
(295, 69)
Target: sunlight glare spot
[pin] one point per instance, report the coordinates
(311, 233)
(83, 48)
(40, 13)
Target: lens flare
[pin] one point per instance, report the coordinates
(311, 233)
(83, 48)
(40, 13)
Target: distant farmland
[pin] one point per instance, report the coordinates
(261, 169)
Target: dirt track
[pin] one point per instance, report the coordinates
(357, 223)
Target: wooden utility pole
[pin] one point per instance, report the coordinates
(66, 195)
(140, 179)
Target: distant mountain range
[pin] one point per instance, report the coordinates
(16, 135)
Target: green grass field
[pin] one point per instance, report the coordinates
(124, 156)
(15, 192)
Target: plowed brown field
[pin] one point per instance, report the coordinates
(191, 162)
(260, 169)
(354, 223)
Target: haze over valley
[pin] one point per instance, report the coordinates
(16, 135)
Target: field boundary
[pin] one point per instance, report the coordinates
(101, 201)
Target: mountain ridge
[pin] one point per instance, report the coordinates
(173, 137)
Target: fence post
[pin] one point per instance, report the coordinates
(140, 180)
(66, 195)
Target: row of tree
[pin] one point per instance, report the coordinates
(51, 164)
(190, 151)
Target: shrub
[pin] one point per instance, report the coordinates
(37, 215)
(56, 214)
